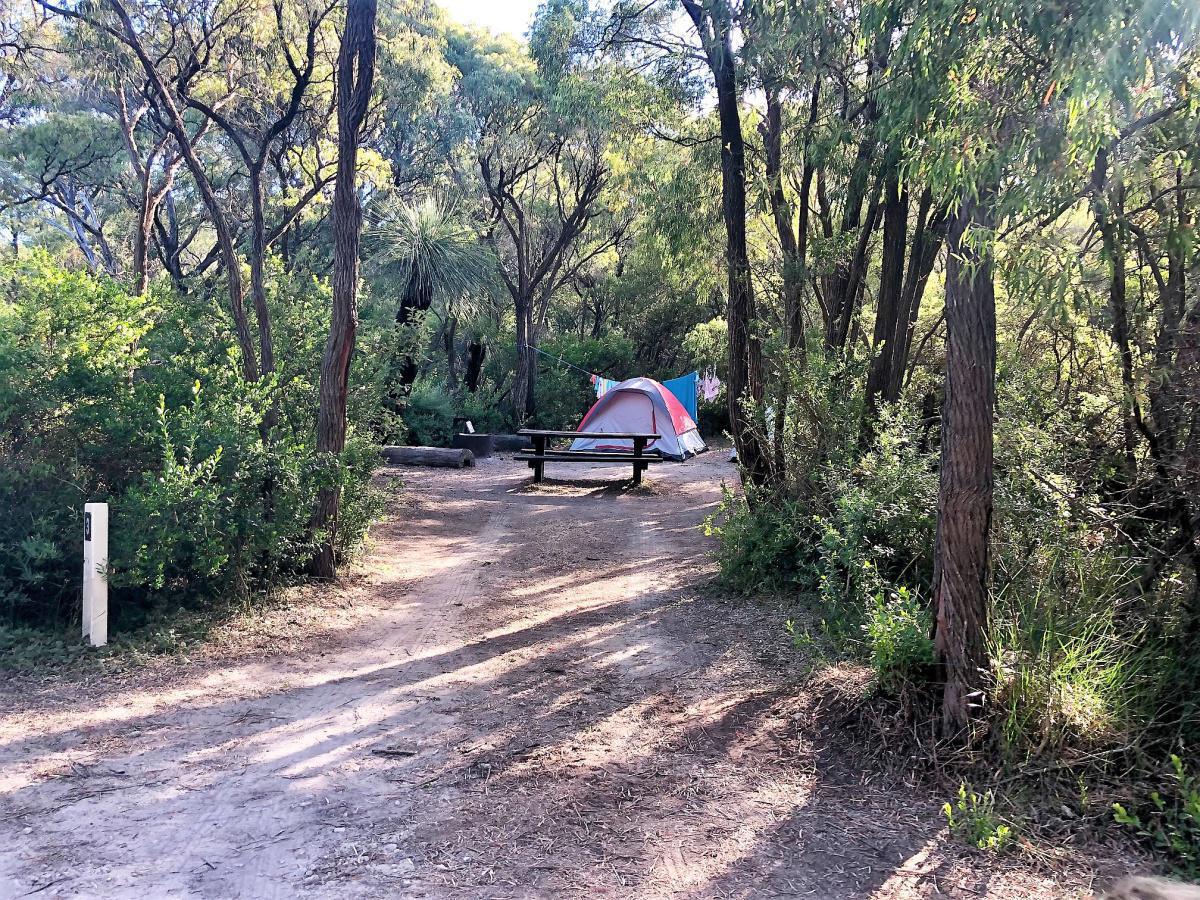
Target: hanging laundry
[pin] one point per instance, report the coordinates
(602, 385)
(710, 385)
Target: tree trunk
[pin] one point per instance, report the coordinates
(141, 236)
(449, 334)
(745, 386)
(927, 239)
(416, 300)
(960, 590)
(523, 403)
(793, 245)
(355, 73)
(888, 311)
(476, 353)
(258, 262)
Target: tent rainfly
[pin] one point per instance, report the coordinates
(641, 405)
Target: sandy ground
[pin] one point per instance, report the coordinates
(528, 691)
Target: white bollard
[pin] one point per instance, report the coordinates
(95, 573)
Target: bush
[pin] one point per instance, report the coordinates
(429, 415)
(563, 393)
(1077, 662)
(759, 545)
(898, 638)
(139, 402)
(972, 819)
(1170, 821)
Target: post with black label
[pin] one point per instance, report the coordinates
(95, 573)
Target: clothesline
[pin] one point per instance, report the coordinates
(558, 358)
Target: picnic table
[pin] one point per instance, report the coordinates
(542, 454)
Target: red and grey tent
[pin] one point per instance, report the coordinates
(641, 405)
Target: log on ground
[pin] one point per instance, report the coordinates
(442, 457)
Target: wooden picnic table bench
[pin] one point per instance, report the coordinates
(541, 454)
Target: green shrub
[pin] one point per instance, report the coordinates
(485, 413)
(759, 545)
(973, 819)
(138, 401)
(1170, 821)
(898, 638)
(429, 415)
(563, 392)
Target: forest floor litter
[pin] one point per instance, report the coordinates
(523, 692)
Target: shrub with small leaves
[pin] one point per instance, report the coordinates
(1170, 821)
(973, 819)
(898, 636)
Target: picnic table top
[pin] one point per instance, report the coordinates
(536, 432)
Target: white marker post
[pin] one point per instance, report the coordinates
(95, 573)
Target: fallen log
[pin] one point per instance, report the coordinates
(509, 442)
(442, 457)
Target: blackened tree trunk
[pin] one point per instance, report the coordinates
(476, 353)
(960, 590)
(415, 302)
(714, 25)
(891, 289)
(928, 233)
(355, 73)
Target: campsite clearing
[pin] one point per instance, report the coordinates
(527, 691)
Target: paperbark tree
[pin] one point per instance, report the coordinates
(960, 589)
(355, 74)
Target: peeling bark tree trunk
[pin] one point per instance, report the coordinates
(960, 592)
(355, 73)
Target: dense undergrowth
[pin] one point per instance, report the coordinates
(137, 401)
(1094, 675)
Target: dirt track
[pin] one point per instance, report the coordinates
(530, 692)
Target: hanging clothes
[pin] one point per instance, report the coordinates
(685, 390)
(710, 385)
(602, 385)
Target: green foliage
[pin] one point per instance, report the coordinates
(972, 819)
(429, 415)
(759, 546)
(897, 633)
(426, 248)
(1170, 821)
(483, 412)
(564, 394)
(136, 401)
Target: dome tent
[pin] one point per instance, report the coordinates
(641, 405)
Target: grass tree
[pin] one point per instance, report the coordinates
(438, 263)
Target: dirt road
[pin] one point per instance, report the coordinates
(529, 692)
